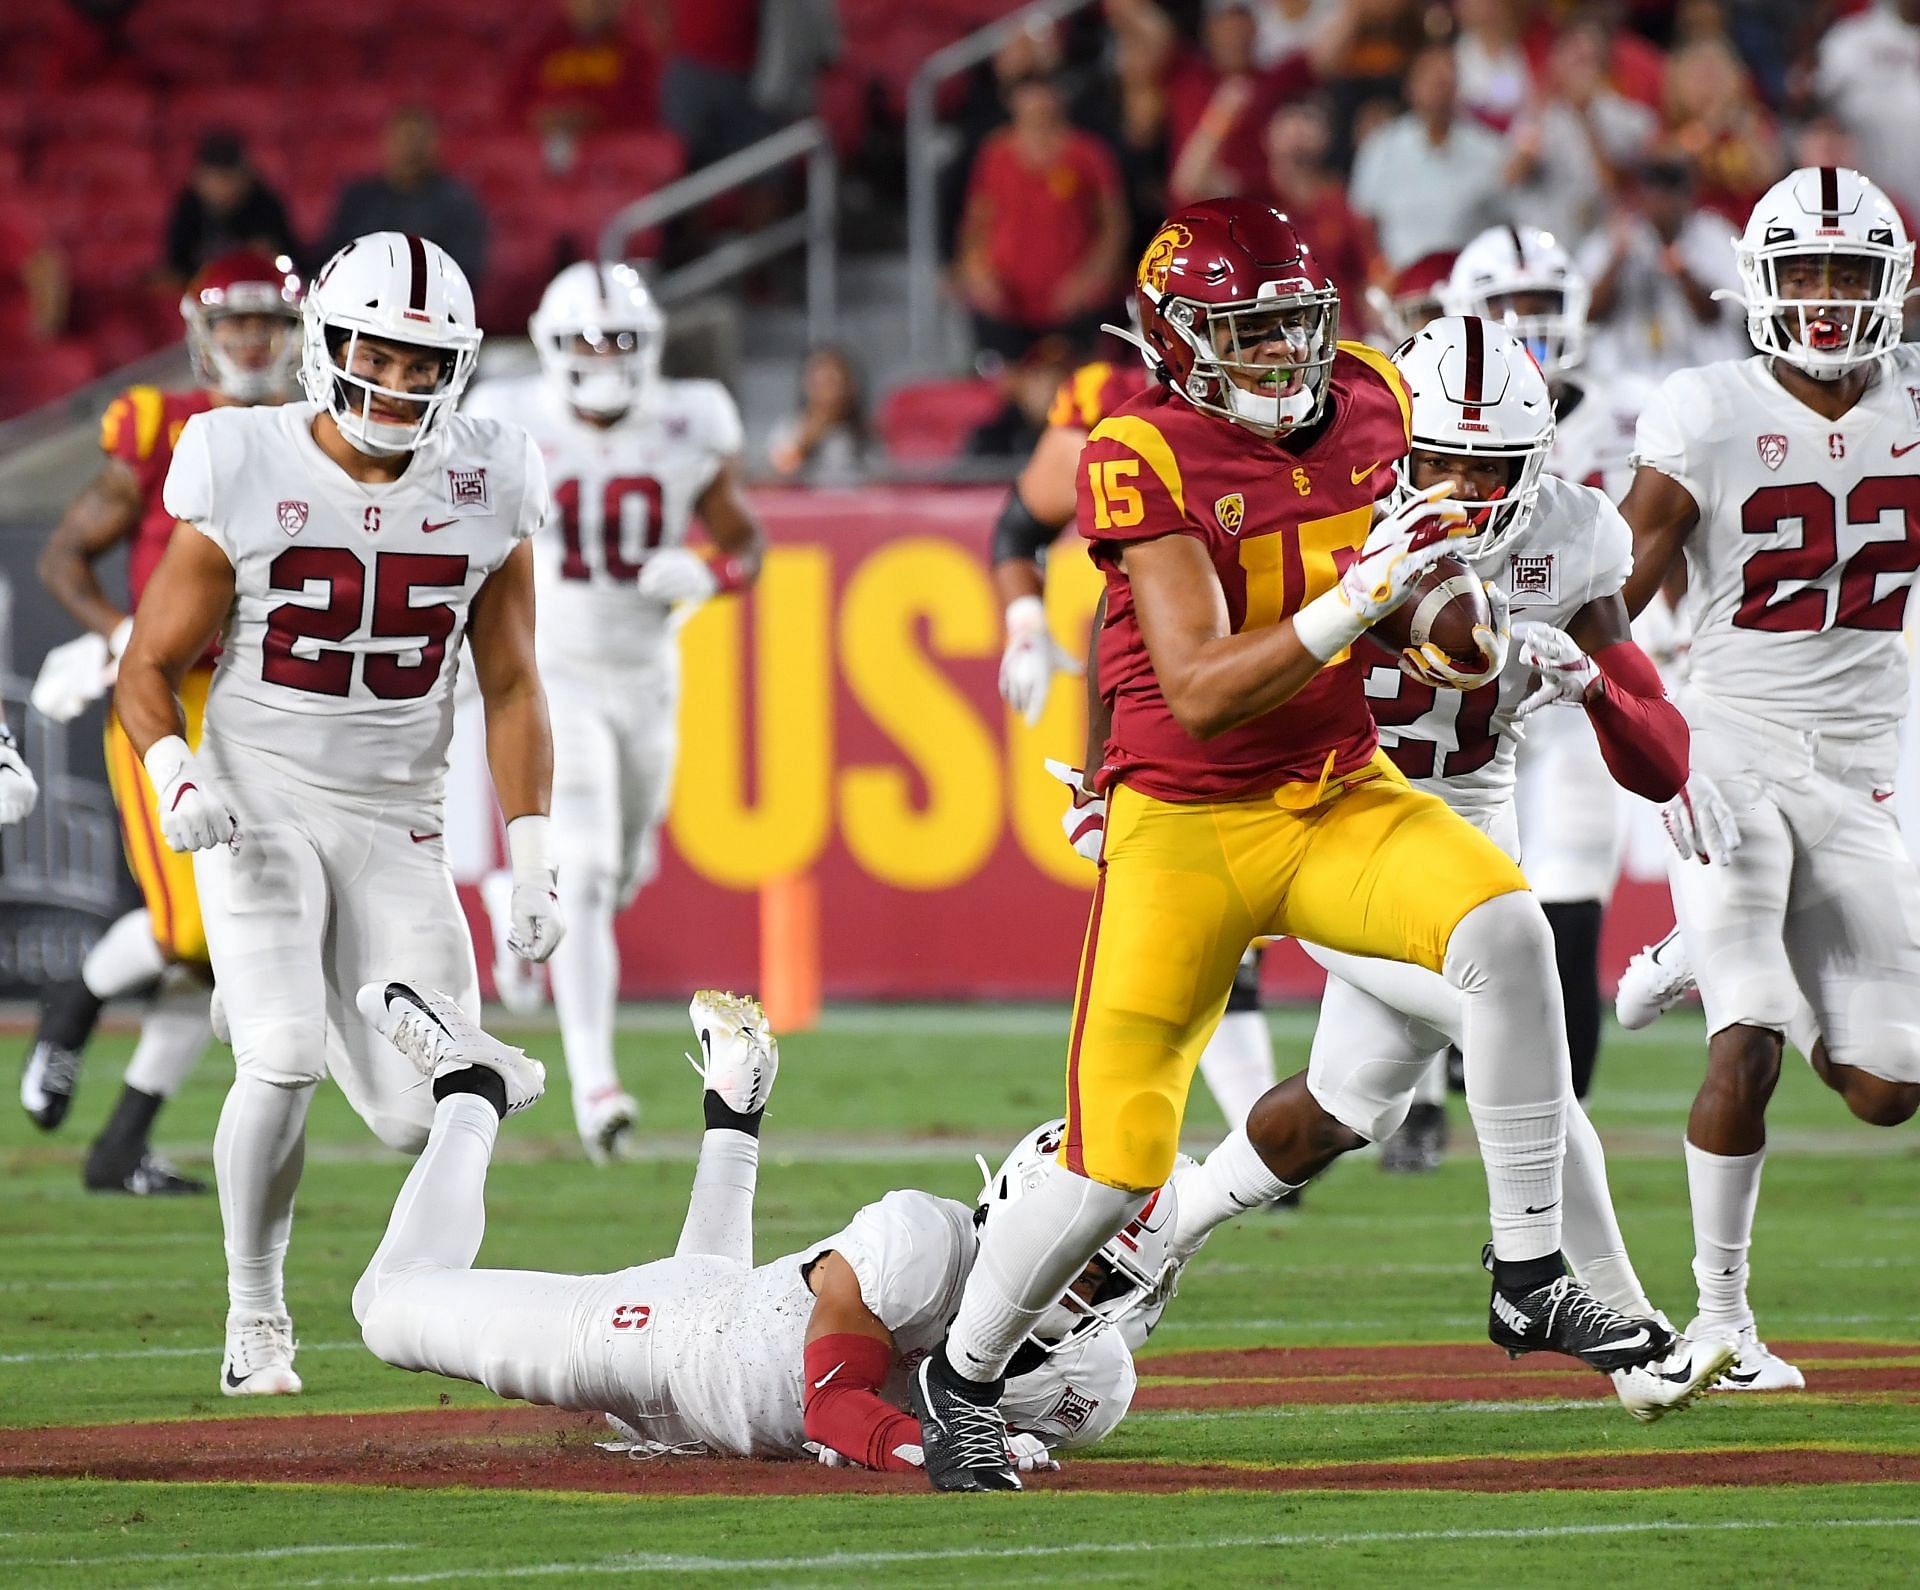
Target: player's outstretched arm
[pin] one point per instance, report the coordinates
(1038, 508)
(105, 513)
(848, 1354)
(1661, 513)
(734, 529)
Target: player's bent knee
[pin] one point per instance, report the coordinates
(402, 1134)
(1884, 1103)
(281, 1065)
(1502, 939)
(1134, 1151)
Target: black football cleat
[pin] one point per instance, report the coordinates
(1564, 1317)
(148, 1176)
(963, 1440)
(1420, 1144)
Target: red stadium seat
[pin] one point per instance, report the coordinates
(47, 372)
(96, 168)
(927, 422)
(106, 113)
(636, 162)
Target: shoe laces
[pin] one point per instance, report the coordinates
(261, 1340)
(977, 1437)
(1583, 1310)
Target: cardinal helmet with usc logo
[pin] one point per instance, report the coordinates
(1238, 314)
(243, 324)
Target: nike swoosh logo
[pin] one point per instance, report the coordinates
(181, 794)
(1238, 1202)
(1543, 1208)
(234, 1382)
(1361, 474)
(421, 839)
(1678, 1377)
(1901, 452)
(1638, 1339)
(829, 1374)
(706, 1046)
(427, 526)
(1883, 795)
(1740, 1377)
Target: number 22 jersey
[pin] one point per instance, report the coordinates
(620, 493)
(351, 600)
(1809, 539)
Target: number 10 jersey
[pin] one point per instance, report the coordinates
(350, 599)
(1808, 542)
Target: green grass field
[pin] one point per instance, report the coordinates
(110, 1314)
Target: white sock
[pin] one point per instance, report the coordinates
(720, 1210)
(1590, 1234)
(1432, 1086)
(174, 1033)
(1725, 1192)
(1238, 1063)
(1803, 1030)
(1228, 1182)
(585, 972)
(1030, 1253)
(441, 1213)
(1518, 1073)
(258, 1151)
(125, 958)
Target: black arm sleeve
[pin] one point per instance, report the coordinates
(1018, 535)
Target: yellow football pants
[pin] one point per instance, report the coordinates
(165, 877)
(1367, 865)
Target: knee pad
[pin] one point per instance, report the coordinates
(1501, 939)
(284, 1062)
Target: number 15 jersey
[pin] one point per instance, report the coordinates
(1808, 542)
(350, 599)
(620, 493)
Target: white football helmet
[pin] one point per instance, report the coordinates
(1824, 211)
(1477, 392)
(1509, 275)
(398, 288)
(598, 333)
(1131, 1260)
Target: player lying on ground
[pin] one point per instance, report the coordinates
(1234, 510)
(351, 546)
(242, 313)
(807, 1354)
(633, 460)
(1790, 481)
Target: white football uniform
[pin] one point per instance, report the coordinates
(610, 657)
(1376, 1032)
(1798, 578)
(327, 728)
(1571, 813)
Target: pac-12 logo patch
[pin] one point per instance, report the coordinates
(1158, 259)
(293, 517)
(1230, 510)
(1532, 575)
(467, 488)
(1773, 449)
(1073, 1410)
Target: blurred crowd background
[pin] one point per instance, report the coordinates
(139, 137)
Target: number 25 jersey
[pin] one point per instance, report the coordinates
(620, 493)
(1808, 541)
(350, 600)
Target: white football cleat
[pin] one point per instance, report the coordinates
(739, 1056)
(520, 984)
(1754, 1366)
(1655, 980)
(606, 1126)
(259, 1361)
(1684, 1373)
(432, 1031)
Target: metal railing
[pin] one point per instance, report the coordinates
(929, 148)
(812, 229)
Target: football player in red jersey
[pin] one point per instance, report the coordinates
(243, 333)
(1233, 508)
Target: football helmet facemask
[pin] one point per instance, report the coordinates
(245, 283)
(598, 333)
(1523, 279)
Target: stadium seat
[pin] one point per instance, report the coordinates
(99, 169)
(928, 422)
(637, 162)
(107, 113)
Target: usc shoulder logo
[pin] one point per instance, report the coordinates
(1230, 510)
(1158, 259)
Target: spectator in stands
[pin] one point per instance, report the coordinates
(1618, 129)
(1027, 389)
(826, 443)
(1496, 84)
(1654, 270)
(1044, 229)
(1868, 79)
(589, 69)
(706, 90)
(36, 289)
(1219, 103)
(1714, 118)
(1302, 182)
(223, 206)
(1288, 27)
(1433, 178)
(1361, 53)
(413, 194)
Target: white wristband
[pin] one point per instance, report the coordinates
(1026, 618)
(117, 641)
(530, 848)
(1326, 626)
(164, 759)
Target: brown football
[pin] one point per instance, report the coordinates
(1444, 608)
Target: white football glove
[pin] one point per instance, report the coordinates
(1085, 819)
(674, 574)
(1403, 546)
(1432, 666)
(1566, 673)
(1700, 822)
(1031, 659)
(18, 791)
(534, 926)
(194, 815)
(72, 677)
(1029, 1454)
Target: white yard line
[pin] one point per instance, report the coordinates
(188, 1554)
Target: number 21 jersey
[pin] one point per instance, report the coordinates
(620, 493)
(1809, 539)
(350, 599)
